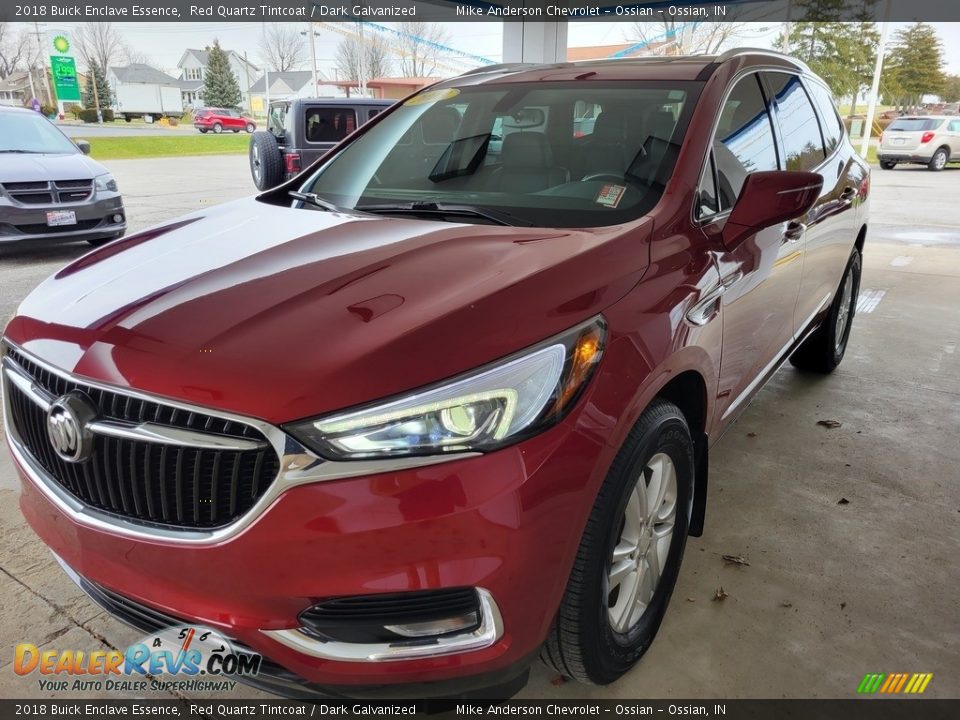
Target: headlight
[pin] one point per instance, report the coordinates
(106, 183)
(480, 411)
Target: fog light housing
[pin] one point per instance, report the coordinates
(117, 218)
(393, 617)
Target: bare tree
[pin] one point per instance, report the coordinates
(373, 52)
(131, 55)
(282, 47)
(671, 37)
(18, 51)
(418, 48)
(99, 44)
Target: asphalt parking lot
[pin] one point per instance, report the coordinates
(832, 589)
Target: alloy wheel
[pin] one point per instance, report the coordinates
(640, 554)
(846, 308)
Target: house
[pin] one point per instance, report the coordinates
(284, 85)
(388, 88)
(15, 89)
(193, 68)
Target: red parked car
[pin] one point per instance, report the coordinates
(219, 119)
(450, 407)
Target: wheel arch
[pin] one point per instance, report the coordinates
(688, 391)
(861, 239)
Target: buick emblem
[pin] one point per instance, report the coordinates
(67, 421)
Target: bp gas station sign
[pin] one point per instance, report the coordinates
(63, 67)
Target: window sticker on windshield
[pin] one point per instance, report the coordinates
(610, 195)
(432, 96)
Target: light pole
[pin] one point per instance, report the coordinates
(313, 58)
(875, 86)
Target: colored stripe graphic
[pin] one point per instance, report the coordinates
(894, 683)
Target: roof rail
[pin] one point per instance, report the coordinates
(501, 67)
(736, 52)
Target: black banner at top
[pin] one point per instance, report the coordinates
(475, 10)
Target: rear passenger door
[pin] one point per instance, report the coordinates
(811, 141)
(761, 276)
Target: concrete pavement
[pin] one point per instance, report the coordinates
(832, 591)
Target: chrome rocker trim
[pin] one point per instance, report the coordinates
(298, 465)
(487, 634)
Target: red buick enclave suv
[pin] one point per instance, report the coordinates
(449, 406)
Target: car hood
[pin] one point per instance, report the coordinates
(30, 167)
(280, 314)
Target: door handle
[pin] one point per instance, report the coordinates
(794, 231)
(848, 194)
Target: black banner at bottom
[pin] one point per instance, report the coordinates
(860, 709)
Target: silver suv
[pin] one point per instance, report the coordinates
(931, 140)
(49, 189)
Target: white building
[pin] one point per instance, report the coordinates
(193, 69)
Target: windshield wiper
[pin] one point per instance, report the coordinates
(444, 209)
(314, 200)
(24, 152)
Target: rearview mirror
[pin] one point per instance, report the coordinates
(83, 145)
(768, 198)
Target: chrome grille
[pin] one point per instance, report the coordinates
(145, 480)
(48, 193)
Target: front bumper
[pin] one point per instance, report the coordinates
(508, 522)
(94, 220)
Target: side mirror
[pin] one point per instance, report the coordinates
(83, 145)
(768, 198)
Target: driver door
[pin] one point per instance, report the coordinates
(761, 276)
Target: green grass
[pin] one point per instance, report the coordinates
(118, 148)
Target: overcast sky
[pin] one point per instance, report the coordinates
(164, 42)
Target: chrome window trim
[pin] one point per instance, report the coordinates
(487, 634)
(298, 465)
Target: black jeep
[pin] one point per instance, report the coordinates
(301, 130)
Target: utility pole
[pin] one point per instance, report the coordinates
(875, 86)
(246, 69)
(787, 29)
(363, 62)
(47, 90)
(313, 59)
(96, 94)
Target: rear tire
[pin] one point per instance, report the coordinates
(266, 165)
(824, 349)
(939, 160)
(203, 130)
(217, 128)
(887, 164)
(606, 622)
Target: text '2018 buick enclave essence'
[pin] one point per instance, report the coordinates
(450, 406)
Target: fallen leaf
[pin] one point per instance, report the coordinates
(842, 605)
(830, 423)
(751, 434)
(735, 560)
(786, 605)
(843, 501)
(691, 599)
(720, 595)
(558, 681)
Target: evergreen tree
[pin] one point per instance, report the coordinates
(95, 74)
(220, 86)
(914, 67)
(842, 53)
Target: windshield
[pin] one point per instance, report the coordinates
(577, 154)
(914, 124)
(29, 132)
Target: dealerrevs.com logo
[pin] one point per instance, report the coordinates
(200, 658)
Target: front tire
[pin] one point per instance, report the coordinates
(887, 164)
(939, 160)
(217, 128)
(630, 553)
(824, 349)
(251, 127)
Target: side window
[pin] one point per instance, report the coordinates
(803, 144)
(743, 142)
(954, 126)
(832, 126)
(329, 124)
